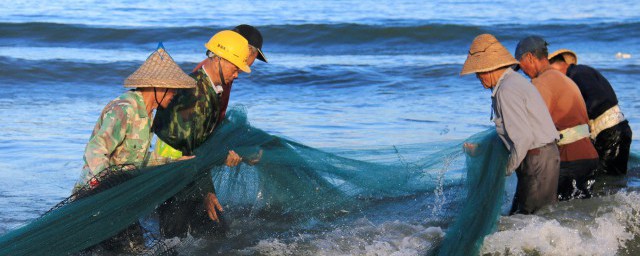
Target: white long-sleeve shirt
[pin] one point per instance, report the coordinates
(522, 119)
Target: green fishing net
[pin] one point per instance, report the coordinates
(291, 180)
(485, 193)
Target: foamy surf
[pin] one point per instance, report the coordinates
(361, 238)
(607, 225)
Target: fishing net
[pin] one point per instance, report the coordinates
(295, 182)
(485, 186)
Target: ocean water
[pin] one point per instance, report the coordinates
(342, 75)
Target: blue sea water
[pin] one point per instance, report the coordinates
(341, 75)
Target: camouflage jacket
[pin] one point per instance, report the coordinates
(190, 117)
(122, 135)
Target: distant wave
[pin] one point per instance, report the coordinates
(313, 37)
(25, 72)
(54, 33)
(309, 73)
(309, 54)
(21, 71)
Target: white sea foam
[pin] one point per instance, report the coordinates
(361, 238)
(571, 228)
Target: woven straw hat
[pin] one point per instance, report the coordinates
(486, 54)
(160, 71)
(569, 56)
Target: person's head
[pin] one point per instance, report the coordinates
(229, 53)
(487, 58)
(532, 54)
(160, 77)
(254, 38)
(561, 60)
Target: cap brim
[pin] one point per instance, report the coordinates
(261, 56)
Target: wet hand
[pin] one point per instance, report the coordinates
(211, 204)
(182, 158)
(255, 159)
(470, 148)
(233, 159)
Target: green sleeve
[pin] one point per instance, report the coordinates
(113, 128)
(174, 124)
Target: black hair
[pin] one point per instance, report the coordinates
(541, 53)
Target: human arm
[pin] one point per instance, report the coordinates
(206, 191)
(516, 125)
(212, 205)
(113, 126)
(175, 125)
(163, 153)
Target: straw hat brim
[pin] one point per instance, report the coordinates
(569, 56)
(486, 54)
(158, 83)
(476, 65)
(160, 71)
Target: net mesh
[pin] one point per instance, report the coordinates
(295, 182)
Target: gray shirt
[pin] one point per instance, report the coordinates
(522, 119)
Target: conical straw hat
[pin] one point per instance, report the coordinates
(486, 54)
(569, 56)
(160, 71)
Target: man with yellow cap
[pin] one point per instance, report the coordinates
(578, 157)
(188, 122)
(522, 122)
(254, 37)
(610, 131)
(122, 136)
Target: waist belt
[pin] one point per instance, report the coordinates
(608, 119)
(573, 134)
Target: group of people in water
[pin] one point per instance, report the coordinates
(561, 129)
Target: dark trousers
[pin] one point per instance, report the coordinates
(576, 179)
(613, 146)
(537, 180)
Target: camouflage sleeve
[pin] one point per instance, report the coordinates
(173, 125)
(113, 127)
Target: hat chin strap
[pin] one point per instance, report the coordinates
(224, 84)
(155, 95)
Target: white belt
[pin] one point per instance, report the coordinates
(608, 119)
(573, 134)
